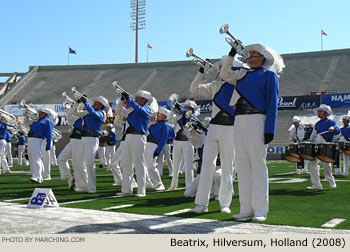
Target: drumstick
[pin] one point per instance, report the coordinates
(324, 132)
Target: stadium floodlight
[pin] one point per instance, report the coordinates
(138, 15)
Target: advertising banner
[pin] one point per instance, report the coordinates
(337, 100)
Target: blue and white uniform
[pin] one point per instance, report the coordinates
(320, 127)
(345, 138)
(9, 149)
(110, 149)
(92, 124)
(134, 145)
(21, 149)
(39, 131)
(166, 152)
(156, 140)
(255, 101)
(219, 138)
(74, 150)
(183, 148)
(3, 134)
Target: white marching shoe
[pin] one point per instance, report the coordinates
(200, 209)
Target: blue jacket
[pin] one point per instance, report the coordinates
(171, 135)
(79, 124)
(114, 138)
(345, 131)
(3, 130)
(22, 140)
(8, 136)
(43, 128)
(160, 132)
(260, 88)
(94, 119)
(139, 118)
(324, 125)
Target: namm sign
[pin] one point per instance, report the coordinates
(337, 100)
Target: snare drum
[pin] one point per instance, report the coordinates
(290, 156)
(293, 150)
(346, 148)
(327, 152)
(307, 150)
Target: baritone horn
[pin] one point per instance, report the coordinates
(235, 43)
(68, 102)
(29, 111)
(56, 135)
(173, 102)
(207, 65)
(195, 123)
(8, 119)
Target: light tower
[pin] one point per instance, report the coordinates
(138, 15)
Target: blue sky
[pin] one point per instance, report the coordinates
(38, 32)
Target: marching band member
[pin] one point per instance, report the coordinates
(138, 114)
(166, 153)
(21, 148)
(8, 149)
(255, 100)
(3, 162)
(345, 137)
(183, 148)
(53, 153)
(329, 125)
(92, 124)
(102, 144)
(74, 150)
(39, 131)
(296, 135)
(219, 139)
(156, 140)
(110, 149)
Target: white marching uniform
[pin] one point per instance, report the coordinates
(53, 154)
(46, 159)
(296, 135)
(3, 162)
(165, 153)
(219, 138)
(21, 148)
(322, 126)
(74, 150)
(9, 152)
(345, 138)
(102, 155)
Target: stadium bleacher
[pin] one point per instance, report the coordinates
(304, 73)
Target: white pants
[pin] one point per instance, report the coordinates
(305, 169)
(315, 173)
(21, 149)
(345, 164)
(73, 150)
(182, 149)
(250, 163)
(46, 157)
(35, 162)
(53, 155)
(9, 154)
(102, 155)
(219, 139)
(117, 174)
(110, 150)
(3, 163)
(133, 155)
(90, 147)
(151, 165)
(165, 153)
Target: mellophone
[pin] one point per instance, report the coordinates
(326, 152)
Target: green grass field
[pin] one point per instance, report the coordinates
(290, 202)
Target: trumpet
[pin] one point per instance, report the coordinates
(22, 128)
(78, 95)
(119, 89)
(68, 102)
(195, 122)
(29, 111)
(173, 102)
(235, 43)
(207, 65)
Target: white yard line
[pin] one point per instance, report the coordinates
(333, 222)
(178, 212)
(118, 207)
(11, 200)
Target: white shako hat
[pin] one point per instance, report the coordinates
(144, 94)
(296, 119)
(165, 111)
(324, 108)
(273, 61)
(104, 102)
